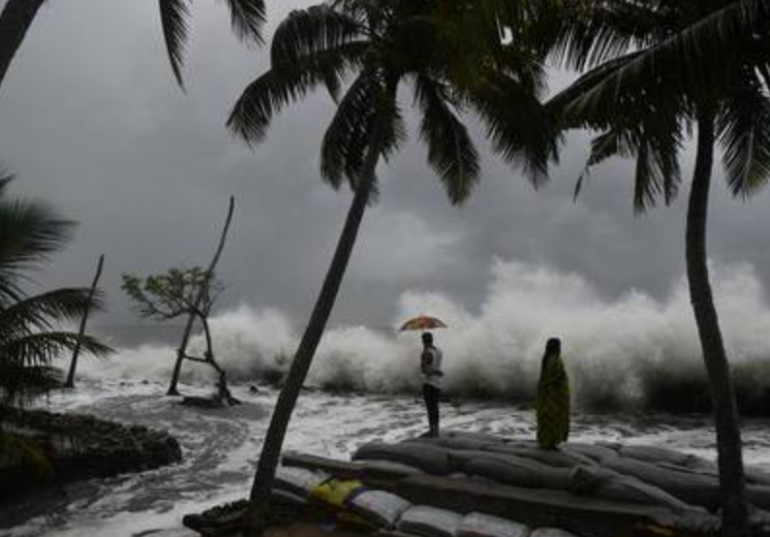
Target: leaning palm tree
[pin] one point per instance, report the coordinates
(384, 43)
(247, 16)
(658, 69)
(31, 336)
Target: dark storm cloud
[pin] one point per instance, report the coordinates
(92, 122)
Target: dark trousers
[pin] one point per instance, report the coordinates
(431, 395)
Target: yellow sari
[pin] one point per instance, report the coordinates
(553, 403)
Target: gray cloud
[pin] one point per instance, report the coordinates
(92, 122)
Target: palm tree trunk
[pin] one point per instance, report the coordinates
(15, 20)
(70, 383)
(256, 516)
(729, 448)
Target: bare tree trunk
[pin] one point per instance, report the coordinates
(729, 447)
(15, 20)
(223, 392)
(182, 350)
(257, 514)
(70, 383)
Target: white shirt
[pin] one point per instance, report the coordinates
(431, 367)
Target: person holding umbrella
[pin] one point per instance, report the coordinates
(430, 368)
(430, 365)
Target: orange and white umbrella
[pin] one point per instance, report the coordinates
(423, 322)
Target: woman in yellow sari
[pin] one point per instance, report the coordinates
(553, 399)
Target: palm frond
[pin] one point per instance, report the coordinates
(29, 233)
(248, 18)
(366, 106)
(46, 310)
(41, 348)
(744, 127)
(521, 129)
(252, 114)
(589, 34)
(173, 18)
(451, 152)
(312, 31)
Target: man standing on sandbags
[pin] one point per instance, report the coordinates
(430, 365)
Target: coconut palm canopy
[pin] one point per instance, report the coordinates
(654, 66)
(31, 326)
(659, 70)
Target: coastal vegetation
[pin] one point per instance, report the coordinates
(33, 331)
(651, 77)
(181, 292)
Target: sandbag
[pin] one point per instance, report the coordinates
(522, 473)
(458, 458)
(550, 532)
(298, 481)
(661, 455)
(549, 457)
(382, 469)
(694, 489)
(336, 493)
(462, 440)
(632, 490)
(482, 525)
(429, 522)
(594, 452)
(380, 507)
(426, 457)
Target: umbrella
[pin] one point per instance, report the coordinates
(423, 322)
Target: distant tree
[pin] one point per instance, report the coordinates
(181, 292)
(247, 16)
(31, 337)
(70, 382)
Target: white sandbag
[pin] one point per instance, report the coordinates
(483, 525)
(429, 522)
(550, 532)
(431, 459)
(380, 507)
(298, 481)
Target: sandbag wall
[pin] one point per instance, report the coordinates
(602, 489)
(353, 503)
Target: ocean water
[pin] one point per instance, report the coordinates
(627, 358)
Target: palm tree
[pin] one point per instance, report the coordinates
(247, 16)
(658, 69)
(384, 43)
(30, 333)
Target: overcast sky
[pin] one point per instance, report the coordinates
(92, 122)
